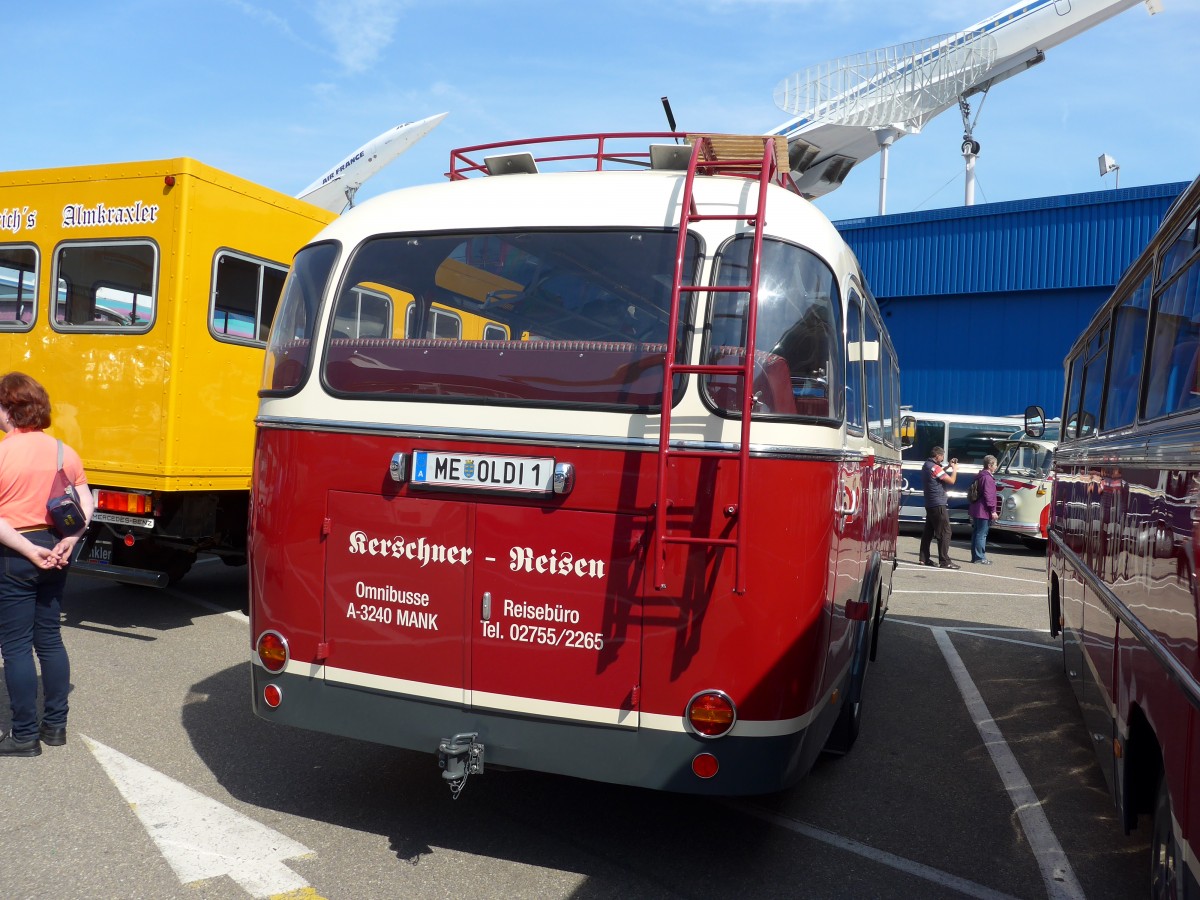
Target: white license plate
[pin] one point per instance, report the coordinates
(118, 519)
(472, 471)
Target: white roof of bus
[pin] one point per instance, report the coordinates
(584, 200)
(964, 417)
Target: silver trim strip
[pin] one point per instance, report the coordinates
(1176, 670)
(503, 703)
(544, 439)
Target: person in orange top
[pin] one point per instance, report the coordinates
(35, 561)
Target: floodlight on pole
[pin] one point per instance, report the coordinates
(1108, 164)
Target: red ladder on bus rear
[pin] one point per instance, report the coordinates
(716, 155)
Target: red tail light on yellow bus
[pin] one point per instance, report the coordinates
(129, 502)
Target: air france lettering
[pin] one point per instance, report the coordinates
(343, 167)
(419, 550)
(523, 559)
(76, 215)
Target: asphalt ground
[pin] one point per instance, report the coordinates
(973, 776)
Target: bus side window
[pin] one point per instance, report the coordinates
(854, 371)
(894, 396)
(871, 374)
(245, 296)
(798, 344)
(1129, 345)
(1092, 385)
(1071, 399)
(930, 433)
(1175, 346)
(289, 347)
(18, 286)
(106, 286)
(970, 443)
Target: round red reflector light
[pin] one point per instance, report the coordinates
(705, 765)
(272, 695)
(272, 651)
(711, 714)
(129, 540)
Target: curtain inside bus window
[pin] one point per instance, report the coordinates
(1129, 347)
(798, 346)
(106, 286)
(18, 286)
(289, 347)
(558, 318)
(1175, 346)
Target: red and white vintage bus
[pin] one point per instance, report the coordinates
(607, 541)
(1122, 543)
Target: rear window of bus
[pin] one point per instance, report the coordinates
(556, 318)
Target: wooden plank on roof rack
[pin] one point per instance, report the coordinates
(744, 146)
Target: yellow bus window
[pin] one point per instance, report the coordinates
(106, 286)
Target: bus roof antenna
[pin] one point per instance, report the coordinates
(670, 117)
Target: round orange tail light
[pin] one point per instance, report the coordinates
(272, 651)
(711, 714)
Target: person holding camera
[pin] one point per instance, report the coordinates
(934, 479)
(35, 559)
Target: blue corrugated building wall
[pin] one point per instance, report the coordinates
(983, 302)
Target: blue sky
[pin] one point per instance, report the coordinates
(279, 91)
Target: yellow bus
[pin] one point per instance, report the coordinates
(141, 295)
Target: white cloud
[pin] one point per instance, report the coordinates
(360, 29)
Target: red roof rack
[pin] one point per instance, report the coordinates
(726, 154)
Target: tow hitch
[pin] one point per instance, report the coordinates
(460, 757)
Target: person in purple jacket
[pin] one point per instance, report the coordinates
(983, 511)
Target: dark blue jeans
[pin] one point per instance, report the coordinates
(30, 600)
(979, 533)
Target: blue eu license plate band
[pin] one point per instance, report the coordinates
(481, 472)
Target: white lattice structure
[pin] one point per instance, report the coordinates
(902, 86)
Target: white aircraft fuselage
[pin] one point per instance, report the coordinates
(1021, 35)
(335, 189)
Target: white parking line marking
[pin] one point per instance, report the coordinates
(983, 632)
(235, 614)
(1057, 874)
(198, 836)
(973, 572)
(919, 870)
(968, 593)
